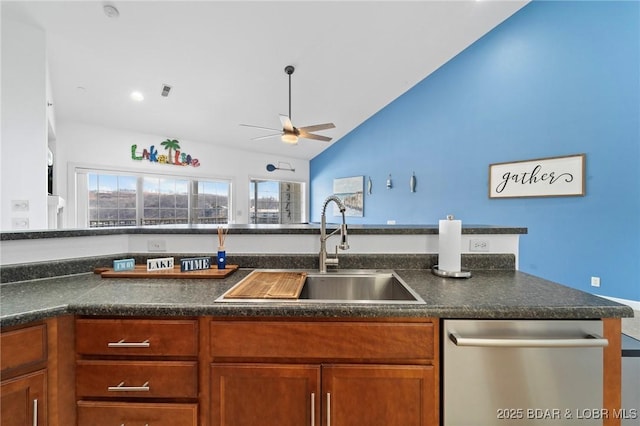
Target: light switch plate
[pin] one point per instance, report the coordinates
(19, 205)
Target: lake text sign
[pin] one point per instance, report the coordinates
(542, 177)
(159, 263)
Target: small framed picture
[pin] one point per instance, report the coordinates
(351, 191)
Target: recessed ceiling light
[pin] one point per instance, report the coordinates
(137, 96)
(110, 11)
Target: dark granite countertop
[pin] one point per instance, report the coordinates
(488, 294)
(310, 228)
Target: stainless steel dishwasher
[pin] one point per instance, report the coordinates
(525, 372)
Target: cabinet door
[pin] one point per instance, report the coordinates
(379, 395)
(265, 395)
(23, 400)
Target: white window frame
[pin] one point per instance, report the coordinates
(304, 195)
(80, 190)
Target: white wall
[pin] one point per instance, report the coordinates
(23, 144)
(87, 146)
(53, 249)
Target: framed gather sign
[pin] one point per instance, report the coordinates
(541, 177)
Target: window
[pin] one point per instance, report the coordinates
(211, 202)
(112, 200)
(166, 201)
(276, 202)
(128, 200)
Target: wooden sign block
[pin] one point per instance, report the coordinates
(195, 264)
(159, 263)
(124, 265)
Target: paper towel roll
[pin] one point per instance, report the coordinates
(449, 244)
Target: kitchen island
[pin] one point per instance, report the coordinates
(490, 294)
(97, 329)
(226, 352)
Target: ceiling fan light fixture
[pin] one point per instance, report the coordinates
(290, 138)
(290, 134)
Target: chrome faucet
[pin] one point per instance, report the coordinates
(324, 261)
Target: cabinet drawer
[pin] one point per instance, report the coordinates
(23, 347)
(138, 379)
(137, 337)
(136, 414)
(357, 341)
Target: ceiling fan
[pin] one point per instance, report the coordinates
(290, 133)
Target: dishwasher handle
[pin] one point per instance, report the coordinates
(588, 341)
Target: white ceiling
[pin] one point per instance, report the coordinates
(225, 61)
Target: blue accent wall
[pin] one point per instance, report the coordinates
(557, 78)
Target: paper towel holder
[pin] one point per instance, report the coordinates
(450, 274)
(463, 273)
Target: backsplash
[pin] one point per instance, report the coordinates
(39, 270)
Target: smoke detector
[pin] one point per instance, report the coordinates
(165, 90)
(111, 11)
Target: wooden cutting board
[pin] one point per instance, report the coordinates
(269, 285)
(141, 272)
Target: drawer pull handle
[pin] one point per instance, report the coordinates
(35, 412)
(123, 344)
(122, 388)
(313, 409)
(328, 409)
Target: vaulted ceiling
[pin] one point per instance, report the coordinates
(225, 60)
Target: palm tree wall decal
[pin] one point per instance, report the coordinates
(170, 145)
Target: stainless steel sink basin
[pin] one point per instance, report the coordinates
(348, 286)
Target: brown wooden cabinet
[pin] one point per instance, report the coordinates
(265, 394)
(23, 390)
(137, 370)
(23, 400)
(379, 395)
(276, 373)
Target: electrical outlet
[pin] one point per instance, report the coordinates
(391, 222)
(595, 281)
(478, 244)
(157, 245)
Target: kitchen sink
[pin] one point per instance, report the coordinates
(358, 286)
(347, 286)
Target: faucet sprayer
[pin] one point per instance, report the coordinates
(344, 245)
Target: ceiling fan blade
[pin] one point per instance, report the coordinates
(312, 136)
(317, 127)
(267, 136)
(260, 127)
(286, 123)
